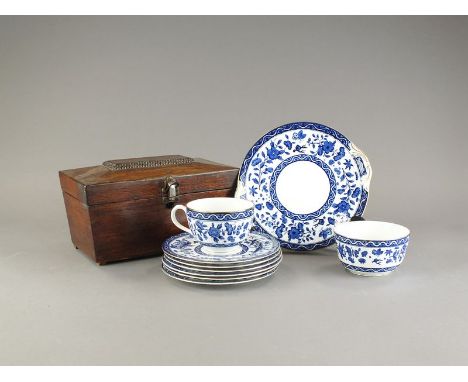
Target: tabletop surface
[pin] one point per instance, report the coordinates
(58, 307)
(76, 91)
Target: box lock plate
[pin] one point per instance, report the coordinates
(170, 191)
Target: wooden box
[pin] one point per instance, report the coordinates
(120, 210)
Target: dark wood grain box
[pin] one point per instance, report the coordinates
(120, 210)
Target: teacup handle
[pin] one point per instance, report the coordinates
(174, 217)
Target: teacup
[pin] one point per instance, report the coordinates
(371, 248)
(220, 224)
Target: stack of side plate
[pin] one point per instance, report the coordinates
(187, 260)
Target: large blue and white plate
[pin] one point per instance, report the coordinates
(303, 178)
(256, 247)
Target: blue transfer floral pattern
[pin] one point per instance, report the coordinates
(371, 256)
(315, 143)
(220, 229)
(185, 247)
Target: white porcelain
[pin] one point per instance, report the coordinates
(219, 275)
(371, 248)
(224, 267)
(220, 224)
(303, 178)
(256, 247)
(187, 260)
(195, 280)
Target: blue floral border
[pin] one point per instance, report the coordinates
(308, 158)
(220, 216)
(288, 127)
(371, 243)
(255, 252)
(369, 270)
(297, 247)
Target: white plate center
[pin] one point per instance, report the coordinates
(302, 187)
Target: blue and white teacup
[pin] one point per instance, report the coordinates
(220, 224)
(371, 248)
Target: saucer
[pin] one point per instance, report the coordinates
(224, 266)
(228, 267)
(256, 247)
(304, 178)
(221, 275)
(195, 280)
(187, 260)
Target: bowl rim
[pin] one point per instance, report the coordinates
(338, 228)
(220, 205)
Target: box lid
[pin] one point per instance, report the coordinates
(145, 178)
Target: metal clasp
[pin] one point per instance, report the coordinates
(170, 191)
